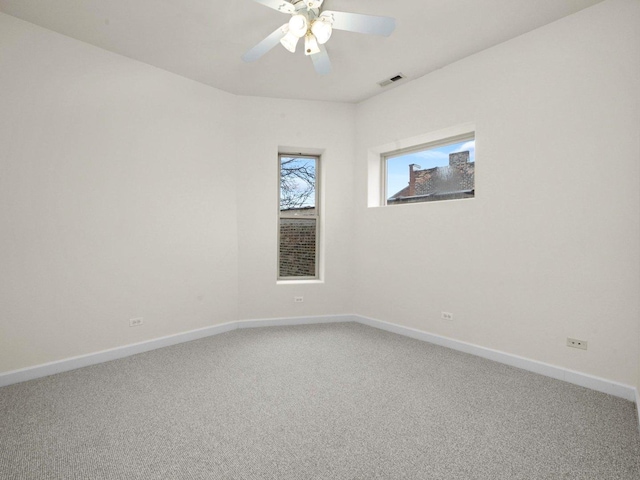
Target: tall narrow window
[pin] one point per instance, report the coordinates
(298, 232)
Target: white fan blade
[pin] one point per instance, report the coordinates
(356, 22)
(321, 61)
(265, 45)
(280, 5)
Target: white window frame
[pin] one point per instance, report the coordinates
(385, 156)
(315, 217)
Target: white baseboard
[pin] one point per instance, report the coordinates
(279, 322)
(584, 380)
(595, 383)
(72, 363)
(46, 369)
(638, 406)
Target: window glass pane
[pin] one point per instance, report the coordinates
(442, 172)
(298, 186)
(297, 247)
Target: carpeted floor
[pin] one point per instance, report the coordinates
(331, 401)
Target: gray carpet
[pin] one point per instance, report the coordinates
(333, 401)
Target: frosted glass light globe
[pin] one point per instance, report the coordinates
(322, 30)
(298, 25)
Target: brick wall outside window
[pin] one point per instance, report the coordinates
(297, 247)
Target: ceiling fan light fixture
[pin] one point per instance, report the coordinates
(289, 41)
(285, 7)
(322, 30)
(311, 4)
(311, 45)
(309, 21)
(298, 25)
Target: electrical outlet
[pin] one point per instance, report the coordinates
(572, 342)
(136, 322)
(298, 299)
(446, 315)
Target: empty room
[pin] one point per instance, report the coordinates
(320, 239)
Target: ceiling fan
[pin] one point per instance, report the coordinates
(308, 20)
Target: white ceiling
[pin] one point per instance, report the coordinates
(204, 39)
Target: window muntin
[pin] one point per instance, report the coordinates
(440, 170)
(298, 230)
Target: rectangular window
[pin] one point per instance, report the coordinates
(298, 230)
(440, 170)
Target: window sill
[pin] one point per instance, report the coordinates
(299, 282)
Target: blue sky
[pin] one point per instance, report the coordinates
(398, 167)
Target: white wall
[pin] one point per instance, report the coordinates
(117, 200)
(270, 126)
(549, 248)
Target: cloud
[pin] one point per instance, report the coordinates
(470, 145)
(432, 155)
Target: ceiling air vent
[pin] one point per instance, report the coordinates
(391, 80)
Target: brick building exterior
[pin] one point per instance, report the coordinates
(297, 250)
(456, 180)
